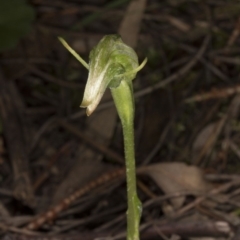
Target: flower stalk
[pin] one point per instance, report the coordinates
(124, 102)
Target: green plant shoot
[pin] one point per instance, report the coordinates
(113, 64)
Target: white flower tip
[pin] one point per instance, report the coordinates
(84, 104)
(90, 107)
(89, 112)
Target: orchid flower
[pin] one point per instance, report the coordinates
(113, 64)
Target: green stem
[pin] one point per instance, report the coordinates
(134, 205)
(123, 98)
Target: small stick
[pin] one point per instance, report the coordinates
(53, 212)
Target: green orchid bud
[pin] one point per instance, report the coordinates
(109, 61)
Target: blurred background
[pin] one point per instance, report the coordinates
(187, 125)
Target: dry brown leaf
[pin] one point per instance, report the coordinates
(177, 177)
(215, 130)
(203, 136)
(131, 22)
